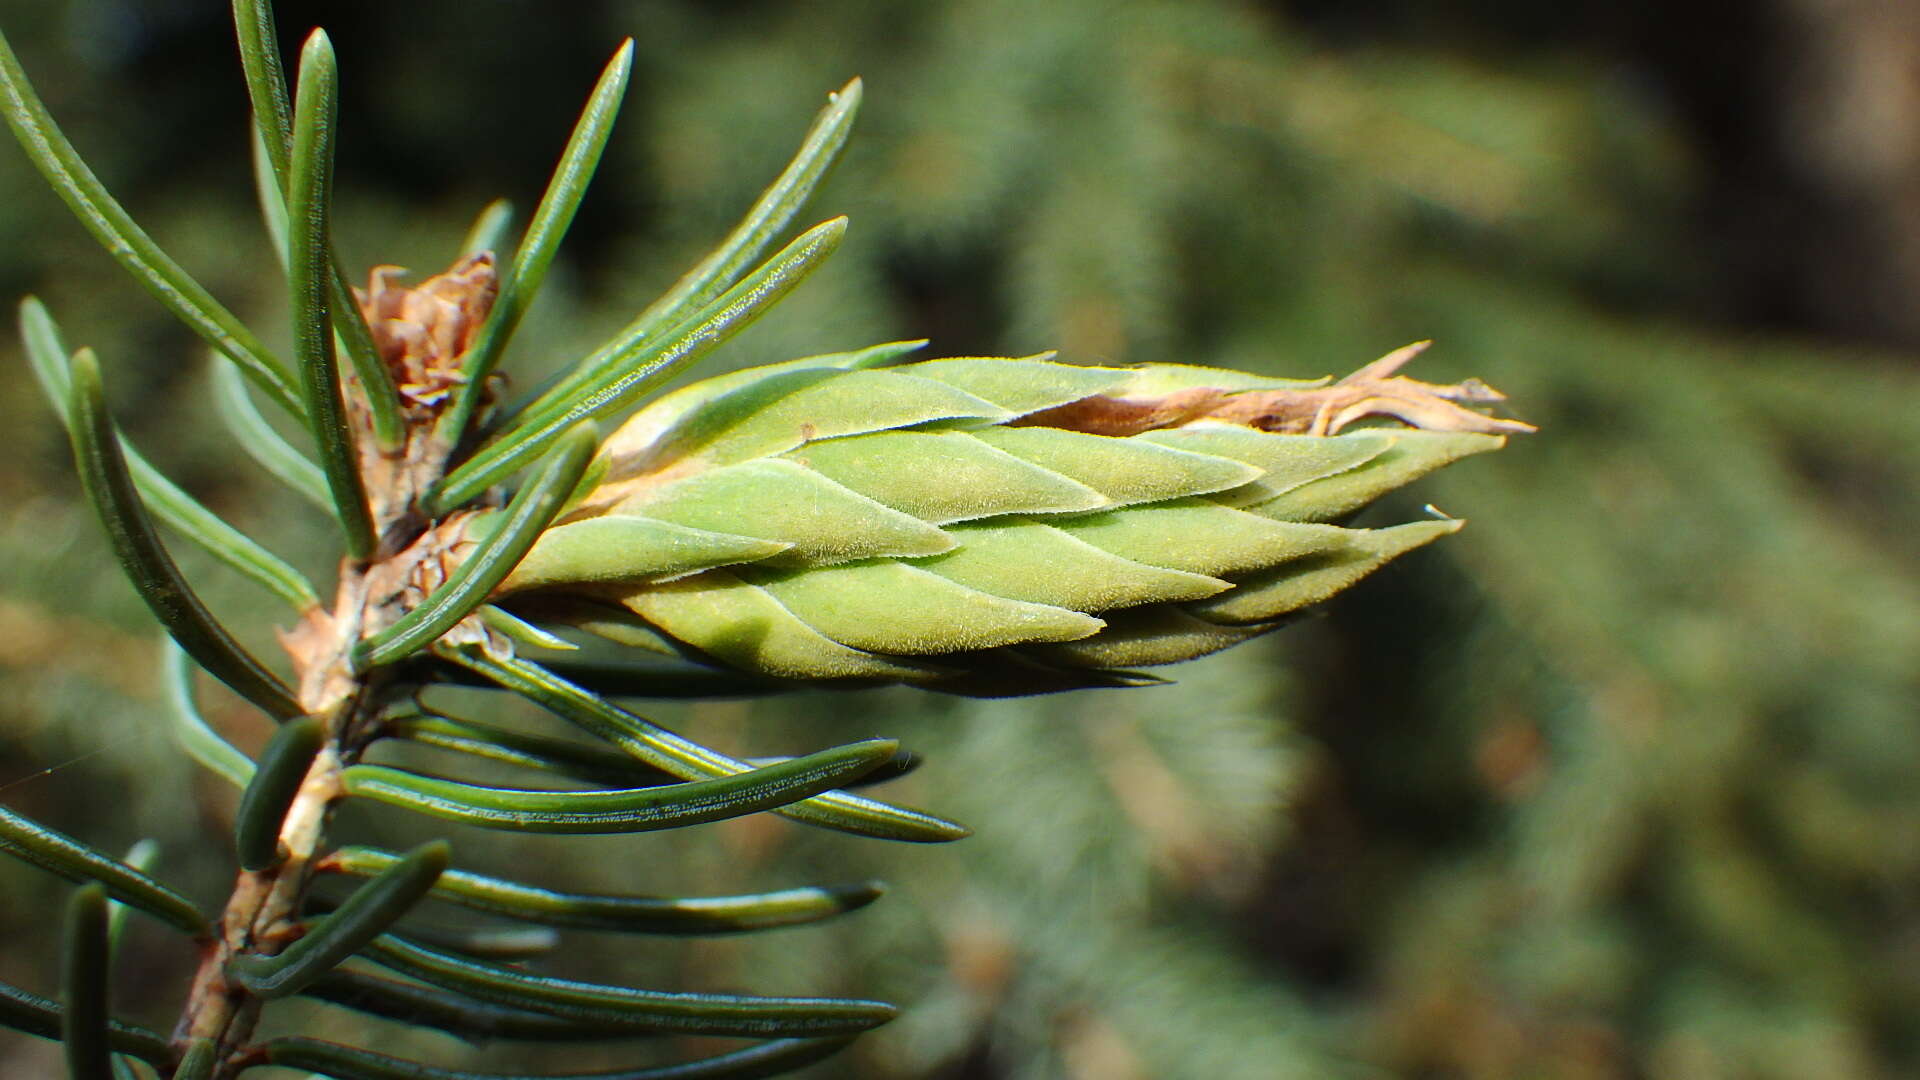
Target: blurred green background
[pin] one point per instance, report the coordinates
(1622, 782)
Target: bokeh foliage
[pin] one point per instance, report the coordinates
(1622, 781)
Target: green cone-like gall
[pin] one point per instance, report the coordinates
(987, 525)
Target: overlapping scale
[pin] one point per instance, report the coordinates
(942, 477)
(829, 519)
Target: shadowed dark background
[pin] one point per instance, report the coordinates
(1623, 781)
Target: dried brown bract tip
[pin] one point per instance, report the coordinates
(1377, 390)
